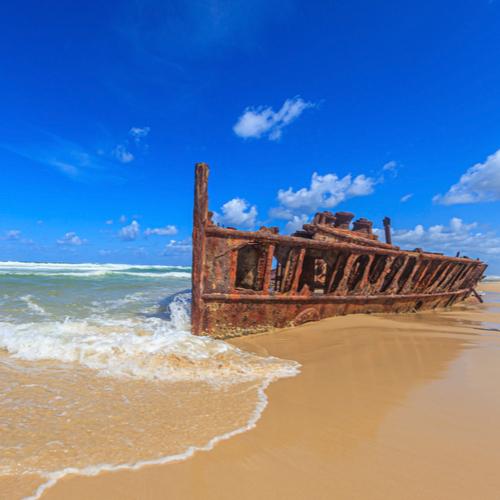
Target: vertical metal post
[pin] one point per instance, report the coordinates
(269, 268)
(387, 229)
(200, 216)
(297, 271)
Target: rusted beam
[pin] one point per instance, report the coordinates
(293, 266)
(268, 270)
(478, 297)
(363, 284)
(409, 282)
(469, 271)
(293, 241)
(396, 268)
(427, 278)
(480, 268)
(233, 264)
(394, 286)
(450, 276)
(200, 213)
(312, 299)
(332, 271)
(297, 271)
(287, 276)
(440, 275)
(261, 271)
(342, 286)
(375, 287)
(345, 235)
(455, 284)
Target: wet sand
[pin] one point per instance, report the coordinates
(385, 407)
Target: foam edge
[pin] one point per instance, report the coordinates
(54, 477)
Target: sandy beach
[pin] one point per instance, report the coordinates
(402, 406)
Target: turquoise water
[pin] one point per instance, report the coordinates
(119, 320)
(43, 292)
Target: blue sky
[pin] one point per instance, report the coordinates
(380, 108)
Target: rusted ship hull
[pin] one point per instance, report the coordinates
(251, 281)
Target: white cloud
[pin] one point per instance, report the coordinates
(130, 232)
(168, 230)
(66, 168)
(295, 223)
(456, 236)
(13, 235)
(325, 191)
(139, 133)
(390, 166)
(16, 235)
(480, 183)
(280, 213)
(406, 197)
(122, 154)
(263, 121)
(109, 222)
(71, 239)
(175, 247)
(361, 186)
(237, 212)
(123, 219)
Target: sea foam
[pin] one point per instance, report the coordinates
(32, 305)
(52, 478)
(149, 348)
(92, 270)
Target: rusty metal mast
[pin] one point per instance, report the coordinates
(200, 213)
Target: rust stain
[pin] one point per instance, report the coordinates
(251, 281)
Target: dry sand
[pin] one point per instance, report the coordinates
(394, 407)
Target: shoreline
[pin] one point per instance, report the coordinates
(96, 470)
(363, 404)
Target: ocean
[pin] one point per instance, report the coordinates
(99, 371)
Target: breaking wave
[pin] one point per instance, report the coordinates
(92, 270)
(148, 348)
(32, 305)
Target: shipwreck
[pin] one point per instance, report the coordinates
(250, 281)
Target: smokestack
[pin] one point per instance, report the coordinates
(387, 229)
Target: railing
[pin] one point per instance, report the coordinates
(270, 264)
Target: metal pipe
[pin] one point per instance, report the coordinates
(387, 229)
